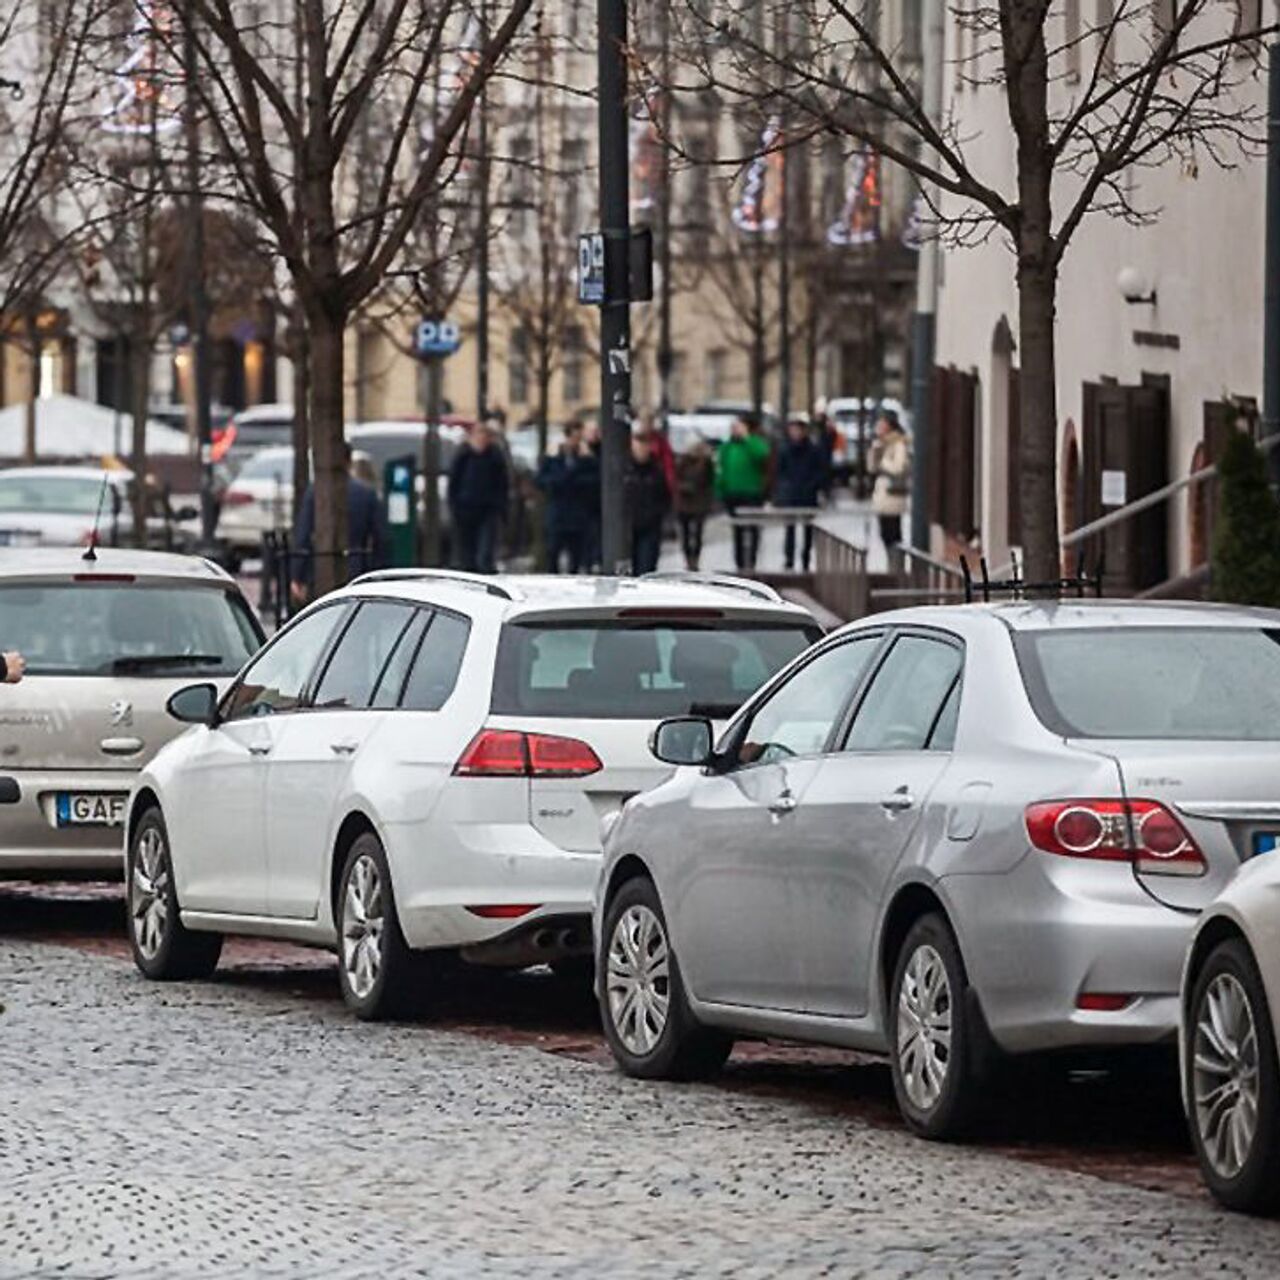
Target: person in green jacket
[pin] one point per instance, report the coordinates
(742, 480)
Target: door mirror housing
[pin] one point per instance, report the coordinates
(196, 704)
(685, 740)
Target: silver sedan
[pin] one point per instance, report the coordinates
(949, 835)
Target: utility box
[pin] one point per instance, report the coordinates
(400, 484)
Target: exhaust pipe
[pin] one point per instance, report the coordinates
(568, 939)
(544, 940)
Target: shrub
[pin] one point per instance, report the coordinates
(1246, 544)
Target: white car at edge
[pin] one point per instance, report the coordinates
(421, 762)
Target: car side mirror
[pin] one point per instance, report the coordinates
(685, 740)
(183, 514)
(196, 704)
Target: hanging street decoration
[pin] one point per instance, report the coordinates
(146, 98)
(646, 153)
(913, 233)
(455, 79)
(759, 211)
(859, 220)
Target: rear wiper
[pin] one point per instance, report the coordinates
(141, 661)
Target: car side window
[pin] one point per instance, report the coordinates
(436, 666)
(276, 680)
(943, 737)
(908, 698)
(355, 665)
(391, 683)
(798, 718)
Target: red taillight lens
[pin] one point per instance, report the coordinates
(1102, 1001)
(1141, 831)
(501, 911)
(509, 753)
(223, 439)
(236, 498)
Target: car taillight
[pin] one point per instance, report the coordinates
(223, 439)
(1140, 831)
(236, 498)
(509, 753)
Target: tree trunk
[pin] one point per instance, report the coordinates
(1037, 288)
(331, 539)
(301, 409)
(33, 389)
(141, 395)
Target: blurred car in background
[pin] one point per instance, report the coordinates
(106, 643)
(259, 427)
(854, 418)
(63, 506)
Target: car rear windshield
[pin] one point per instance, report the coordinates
(622, 670)
(1155, 682)
(59, 495)
(127, 629)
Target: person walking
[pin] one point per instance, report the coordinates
(570, 481)
(890, 464)
(648, 500)
(695, 495)
(742, 470)
(368, 538)
(802, 476)
(478, 490)
(13, 666)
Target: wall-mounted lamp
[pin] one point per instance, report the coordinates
(1136, 289)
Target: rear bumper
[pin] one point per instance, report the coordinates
(30, 842)
(1051, 930)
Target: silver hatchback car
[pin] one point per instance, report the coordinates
(946, 834)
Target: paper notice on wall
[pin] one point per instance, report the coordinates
(1114, 489)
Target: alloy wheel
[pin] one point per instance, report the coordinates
(148, 892)
(924, 1027)
(363, 919)
(638, 979)
(1225, 1078)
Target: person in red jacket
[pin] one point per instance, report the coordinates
(660, 447)
(13, 665)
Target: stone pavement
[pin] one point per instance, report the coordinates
(232, 1129)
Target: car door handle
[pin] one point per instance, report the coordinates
(898, 801)
(785, 803)
(343, 748)
(121, 746)
(260, 751)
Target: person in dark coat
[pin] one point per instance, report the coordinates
(695, 496)
(478, 488)
(368, 539)
(13, 666)
(802, 476)
(648, 500)
(570, 480)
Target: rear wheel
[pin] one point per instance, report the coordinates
(1231, 1081)
(938, 1042)
(164, 949)
(376, 968)
(646, 1016)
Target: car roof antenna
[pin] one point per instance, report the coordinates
(91, 551)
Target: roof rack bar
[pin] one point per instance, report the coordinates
(760, 590)
(476, 581)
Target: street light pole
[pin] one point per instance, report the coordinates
(482, 249)
(1271, 267)
(615, 313)
(666, 354)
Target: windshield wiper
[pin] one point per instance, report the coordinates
(713, 710)
(142, 661)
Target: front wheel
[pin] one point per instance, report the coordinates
(936, 1035)
(1231, 1081)
(164, 949)
(646, 1016)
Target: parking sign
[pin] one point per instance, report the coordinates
(591, 269)
(436, 338)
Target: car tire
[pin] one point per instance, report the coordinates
(164, 949)
(643, 1005)
(380, 976)
(1231, 1084)
(939, 1047)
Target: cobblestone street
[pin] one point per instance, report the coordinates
(248, 1127)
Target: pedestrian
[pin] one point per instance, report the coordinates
(14, 666)
(890, 464)
(661, 447)
(742, 473)
(648, 501)
(802, 476)
(695, 494)
(478, 491)
(368, 538)
(570, 481)
(593, 443)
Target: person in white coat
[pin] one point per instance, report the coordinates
(890, 463)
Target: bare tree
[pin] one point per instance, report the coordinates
(1147, 82)
(338, 237)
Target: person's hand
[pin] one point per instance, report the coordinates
(15, 666)
(298, 592)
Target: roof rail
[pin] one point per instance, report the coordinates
(476, 581)
(760, 590)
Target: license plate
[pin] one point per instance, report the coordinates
(1265, 841)
(90, 809)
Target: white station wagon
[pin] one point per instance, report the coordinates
(421, 762)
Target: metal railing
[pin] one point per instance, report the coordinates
(840, 582)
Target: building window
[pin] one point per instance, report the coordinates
(1071, 39)
(913, 30)
(1248, 24)
(717, 373)
(572, 374)
(1104, 22)
(1164, 14)
(518, 366)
